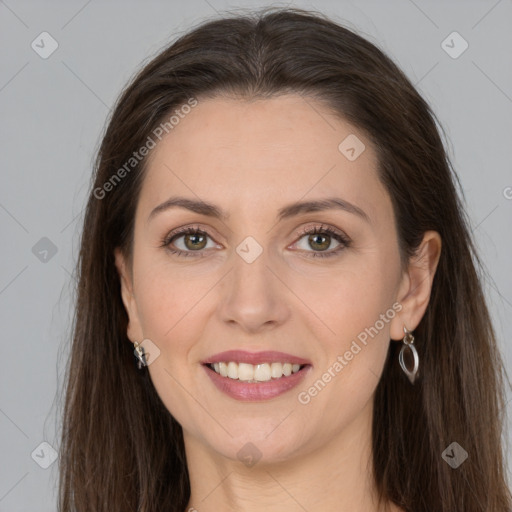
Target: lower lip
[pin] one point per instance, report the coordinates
(255, 392)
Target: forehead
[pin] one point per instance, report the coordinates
(260, 152)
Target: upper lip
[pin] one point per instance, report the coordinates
(242, 356)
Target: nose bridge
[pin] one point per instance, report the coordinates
(250, 268)
(252, 296)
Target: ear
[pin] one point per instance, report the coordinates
(416, 285)
(134, 330)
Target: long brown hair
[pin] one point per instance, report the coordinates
(121, 449)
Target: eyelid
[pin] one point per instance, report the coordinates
(318, 228)
(186, 230)
(341, 237)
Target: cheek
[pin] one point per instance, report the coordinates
(167, 298)
(351, 297)
(358, 307)
(158, 307)
(169, 305)
(356, 303)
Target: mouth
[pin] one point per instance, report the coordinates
(256, 377)
(255, 373)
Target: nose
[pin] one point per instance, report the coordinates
(253, 297)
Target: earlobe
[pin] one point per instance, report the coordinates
(416, 286)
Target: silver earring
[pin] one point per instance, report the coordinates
(408, 342)
(140, 355)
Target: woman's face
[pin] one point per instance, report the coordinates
(256, 281)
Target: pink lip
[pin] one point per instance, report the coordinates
(253, 392)
(242, 356)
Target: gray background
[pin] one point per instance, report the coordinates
(53, 112)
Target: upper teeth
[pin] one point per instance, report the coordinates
(257, 373)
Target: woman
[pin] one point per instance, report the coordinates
(275, 238)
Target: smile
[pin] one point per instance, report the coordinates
(252, 390)
(254, 373)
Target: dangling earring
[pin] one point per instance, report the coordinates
(140, 355)
(408, 342)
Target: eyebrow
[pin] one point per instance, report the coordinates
(211, 210)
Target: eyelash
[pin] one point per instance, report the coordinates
(323, 230)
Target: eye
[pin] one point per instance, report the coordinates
(189, 241)
(320, 239)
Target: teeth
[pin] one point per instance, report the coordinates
(232, 370)
(255, 373)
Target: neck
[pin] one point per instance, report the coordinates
(338, 475)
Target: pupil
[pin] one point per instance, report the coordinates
(312, 239)
(195, 238)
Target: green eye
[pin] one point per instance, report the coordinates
(320, 238)
(195, 241)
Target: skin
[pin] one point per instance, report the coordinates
(250, 159)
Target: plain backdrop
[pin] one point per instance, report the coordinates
(53, 109)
